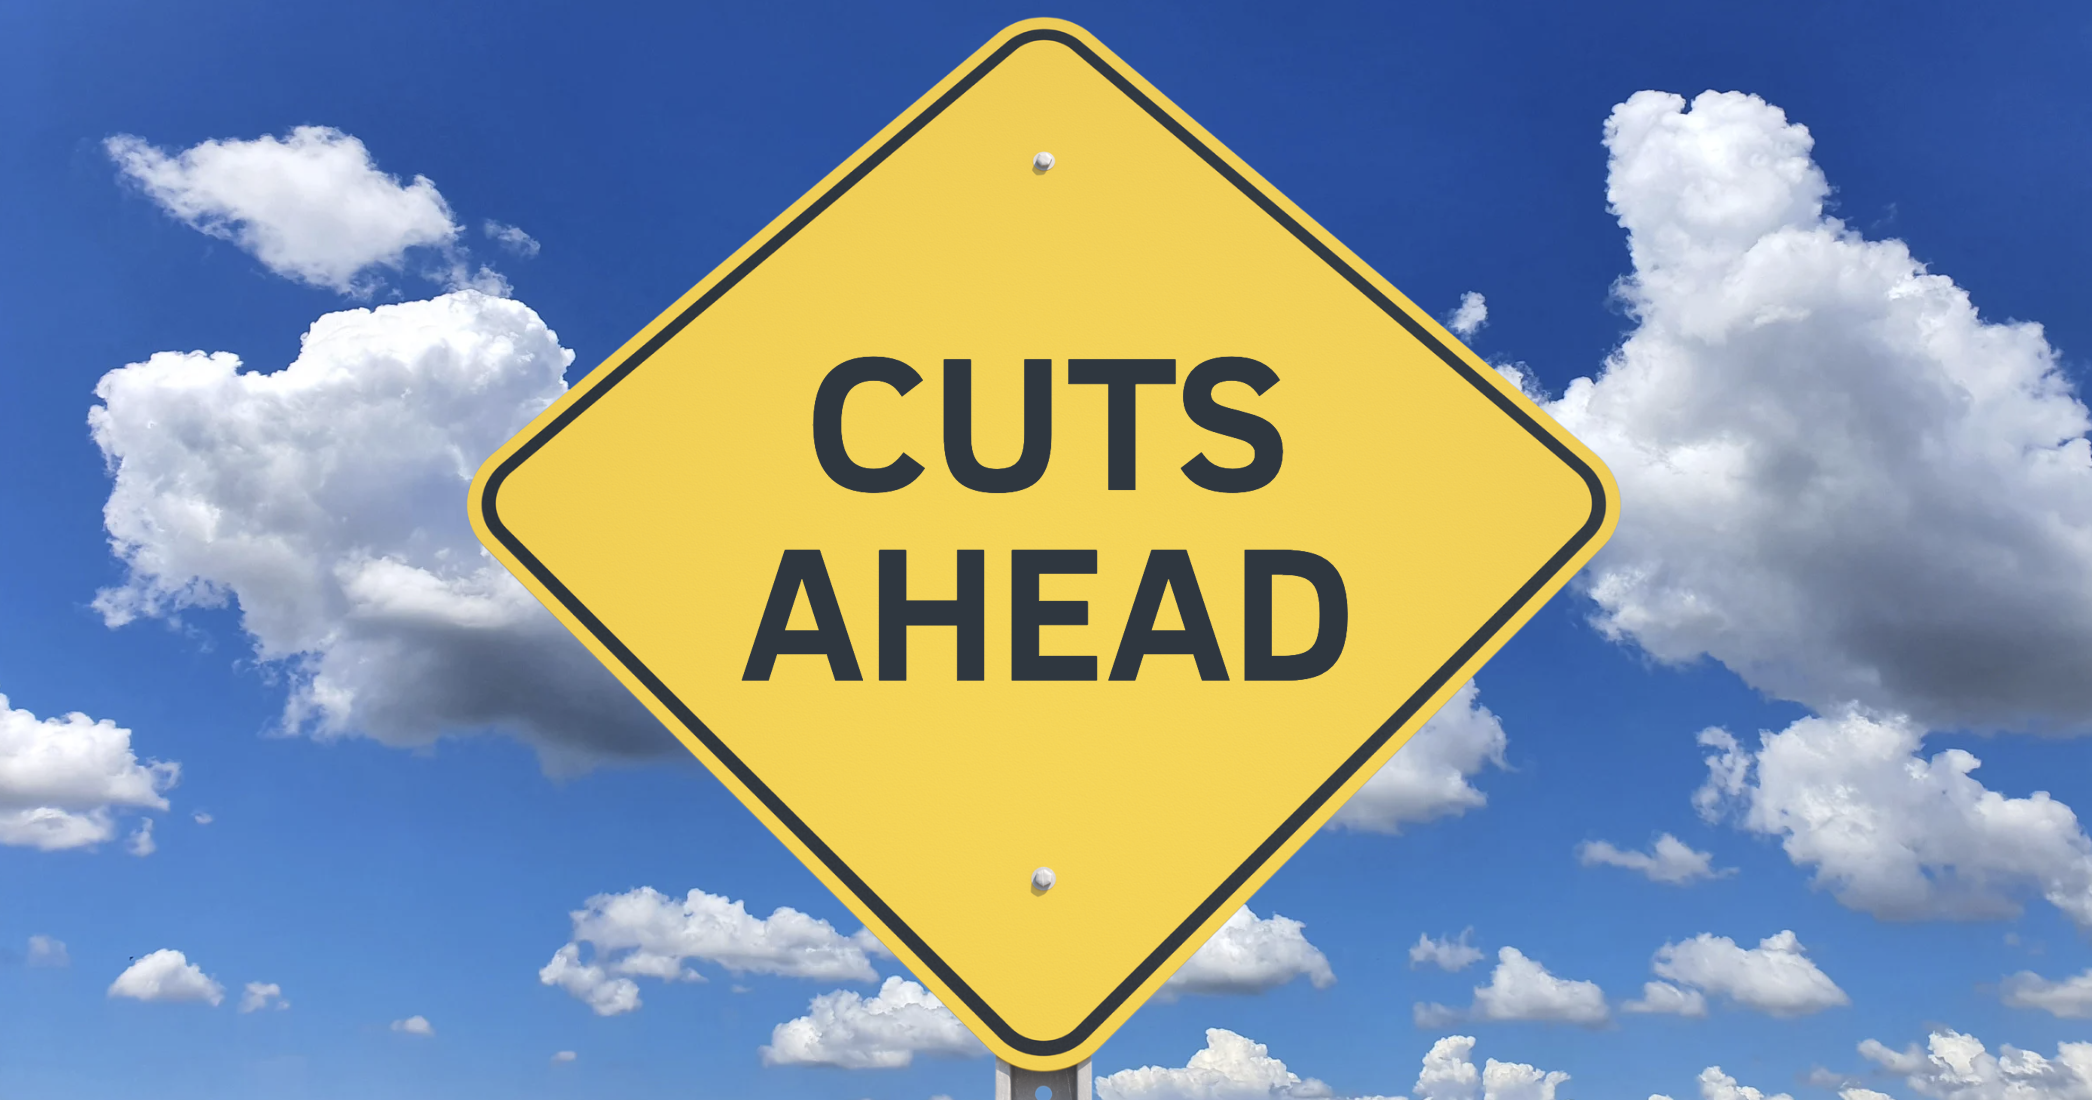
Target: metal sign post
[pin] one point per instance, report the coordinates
(1017, 1083)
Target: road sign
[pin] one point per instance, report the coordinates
(1043, 526)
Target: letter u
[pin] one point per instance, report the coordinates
(958, 429)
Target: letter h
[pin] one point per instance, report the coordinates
(967, 612)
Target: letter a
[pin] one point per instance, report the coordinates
(829, 638)
(1169, 570)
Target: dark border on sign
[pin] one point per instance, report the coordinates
(1307, 809)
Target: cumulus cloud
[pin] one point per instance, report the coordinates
(311, 206)
(1954, 1066)
(1518, 1081)
(560, 1058)
(1521, 988)
(47, 951)
(1449, 1074)
(1716, 1085)
(1669, 860)
(1892, 832)
(846, 1029)
(166, 977)
(140, 842)
(1250, 955)
(1232, 1067)
(645, 933)
(1427, 779)
(1843, 483)
(1430, 1015)
(1777, 977)
(262, 995)
(592, 985)
(1446, 954)
(63, 780)
(2070, 999)
(415, 1025)
(1469, 317)
(1826, 1079)
(511, 238)
(326, 500)
(1663, 998)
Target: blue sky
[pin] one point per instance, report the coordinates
(1857, 514)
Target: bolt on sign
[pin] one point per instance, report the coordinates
(1043, 526)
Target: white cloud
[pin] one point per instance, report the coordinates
(1826, 1079)
(1250, 955)
(1517, 1081)
(1432, 1015)
(1427, 779)
(326, 498)
(202, 818)
(1841, 482)
(511, 238)
(311, 206)
(1446, 954)
(1230, 1067)
(63, 779)
(1896, 834)
(168, 977)
(140, 843)
(590, 984)
(2070, 998)
(1776, 977)
(1522, 989)
(1663, 998)
(1908, 1060)
(1669, 860)
(1522, 376)
(1716, 1085)
(1854, 1092)
(1448, 1072)
(48, 951)
(1470, 316)
(415, 1025)
(846, 1029)
(658, 933)
(645, 933)
(261, 995)
(1954, 1066)
(561, 1058)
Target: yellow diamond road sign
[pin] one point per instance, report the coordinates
(1043, 492)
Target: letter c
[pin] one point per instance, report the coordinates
(828, 424)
